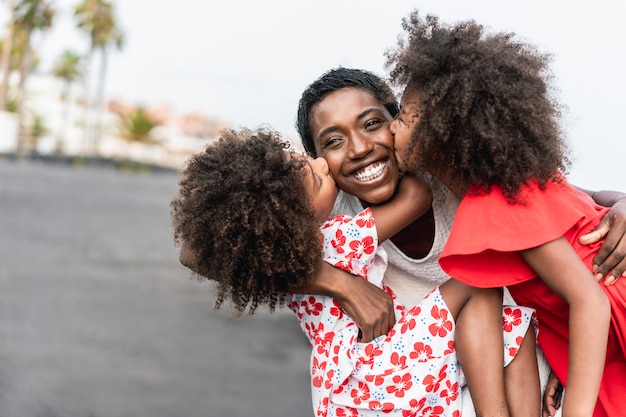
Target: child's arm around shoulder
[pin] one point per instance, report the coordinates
(412, 199)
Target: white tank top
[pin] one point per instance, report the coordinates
(412, 279)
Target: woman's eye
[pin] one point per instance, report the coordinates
(332, 141)
(372, 123)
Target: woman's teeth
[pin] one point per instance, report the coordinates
(370, 172)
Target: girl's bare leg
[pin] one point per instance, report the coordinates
(521, 379)
(480, 349)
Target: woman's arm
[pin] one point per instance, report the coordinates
(610, 261)
(369, 306)
(562, 270)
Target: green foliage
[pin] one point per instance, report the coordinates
(38, 127)
(137, 126)
(97, 19)
(68, 66)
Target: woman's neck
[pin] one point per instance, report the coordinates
(416, 240)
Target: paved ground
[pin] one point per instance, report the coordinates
(98, 318)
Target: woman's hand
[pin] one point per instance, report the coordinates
(552, 396)
(610, 262)
(369, 306)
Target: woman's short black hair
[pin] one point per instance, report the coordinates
(331, 81)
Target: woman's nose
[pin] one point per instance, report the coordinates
(360, 146)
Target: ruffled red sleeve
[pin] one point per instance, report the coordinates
(488, 231)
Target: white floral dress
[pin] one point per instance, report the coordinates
(411, 371)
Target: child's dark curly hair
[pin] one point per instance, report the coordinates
(487, 111)
(243, 210)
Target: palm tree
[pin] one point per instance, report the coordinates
(136, 125)
(67, 68)
(29, 16)
(97, 19)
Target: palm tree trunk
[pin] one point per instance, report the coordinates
(21, 91)
(87, 104)
(100, 98)
(5, 62)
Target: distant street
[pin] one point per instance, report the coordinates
(98, 318)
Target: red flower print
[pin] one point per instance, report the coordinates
(456, 413)
(359, 247)
(371, 352)
(365, 220)
(323, 343)
(451, 392)
(312, 330)
(329, 377)
(421, 352)
(435, 411)
(399, 362)
(338, 241)
(415, 407)
(433, 383)
(513, 350)
(407, 324)
(347, 412)
(360, 394)
(312, 306)
(376, 379)
(317, 373)
(415, 311)
(512, 317)
(335, 356)
(322, 408)
(450, 349)
(442, 325)
(400, 384)
(336, 310)
(384, 407)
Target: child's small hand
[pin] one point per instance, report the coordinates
(552, 396)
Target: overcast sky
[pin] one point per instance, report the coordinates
(248, 61)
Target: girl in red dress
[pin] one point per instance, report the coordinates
(477, 112)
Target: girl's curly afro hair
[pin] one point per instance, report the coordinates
(244, 212)
(488, 115)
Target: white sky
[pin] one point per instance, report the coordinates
(247, 61)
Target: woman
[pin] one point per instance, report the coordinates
(344, 116)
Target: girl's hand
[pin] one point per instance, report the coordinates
(610, 262)
(552, 396)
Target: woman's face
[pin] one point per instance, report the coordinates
(350, 129)
(402, 128)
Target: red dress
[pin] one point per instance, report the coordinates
(483, 250)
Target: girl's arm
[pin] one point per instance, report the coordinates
(610, 261)
(562, 270)
(369, 306)
(411, 200)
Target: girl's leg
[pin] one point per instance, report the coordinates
(521, 379)
(480, 349)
